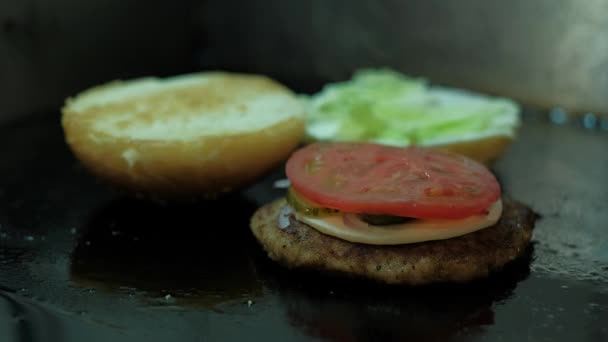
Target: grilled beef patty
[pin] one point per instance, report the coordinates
(458, 259)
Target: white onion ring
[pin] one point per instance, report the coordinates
(282, 184)
(284, 215)
(353, 221)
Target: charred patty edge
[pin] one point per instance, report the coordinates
(459, 259)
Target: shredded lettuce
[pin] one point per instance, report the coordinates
(387, 107)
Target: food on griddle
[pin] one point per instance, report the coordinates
(192, 135)
(386, 107)
(455, 225)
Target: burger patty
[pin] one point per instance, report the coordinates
(458, 259)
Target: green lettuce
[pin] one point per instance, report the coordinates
(387, 107)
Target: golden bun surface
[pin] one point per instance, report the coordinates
(194, 135)
(485, 150)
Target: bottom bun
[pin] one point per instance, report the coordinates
(460, 259)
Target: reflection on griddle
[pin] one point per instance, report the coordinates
(348, 310)
(193, 254)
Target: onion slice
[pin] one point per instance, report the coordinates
(284, 215)
(354, 221)
(281, 184)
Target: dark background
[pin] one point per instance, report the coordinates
(541, 52)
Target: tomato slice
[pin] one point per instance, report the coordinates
(376, 179)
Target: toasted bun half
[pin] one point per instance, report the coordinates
(485, 150)
(195, 135)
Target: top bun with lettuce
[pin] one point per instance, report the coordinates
(387, 107)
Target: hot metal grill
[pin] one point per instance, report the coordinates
(80, 262)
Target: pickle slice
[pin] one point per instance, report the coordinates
(306, 207)
(384, 220)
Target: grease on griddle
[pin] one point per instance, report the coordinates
(339, 309)
(182, 254)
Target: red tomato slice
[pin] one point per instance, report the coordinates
(377, 179)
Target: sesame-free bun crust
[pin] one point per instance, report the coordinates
(485, 150)
(192, 135)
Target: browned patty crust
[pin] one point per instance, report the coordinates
(459, 259)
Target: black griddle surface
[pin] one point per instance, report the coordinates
(79, 262)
